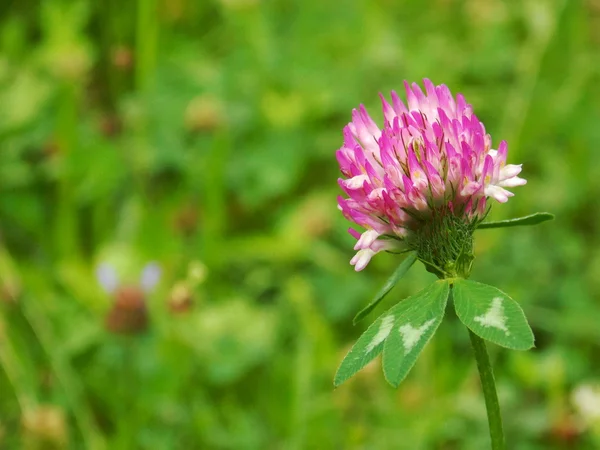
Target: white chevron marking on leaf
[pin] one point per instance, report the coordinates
(384, 331)
(494, 317)
(411, 335)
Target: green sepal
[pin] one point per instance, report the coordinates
(387, 287)
(415, 324)
(491, 314)
(532, 219)
(415, 312)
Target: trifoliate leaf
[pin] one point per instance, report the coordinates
(387, 287)
(532, 219)
(416, 310)
(492, 315)
(417, 319)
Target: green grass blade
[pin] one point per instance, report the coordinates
(387, 287)
(532, 219)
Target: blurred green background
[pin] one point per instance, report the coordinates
(201, 135)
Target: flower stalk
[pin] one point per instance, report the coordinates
(488, 384)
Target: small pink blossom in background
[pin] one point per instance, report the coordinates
(431, 157)
(128, 314)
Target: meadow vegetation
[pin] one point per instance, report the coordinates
(201, 135)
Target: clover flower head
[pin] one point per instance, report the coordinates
(421, 182)
(128, 314)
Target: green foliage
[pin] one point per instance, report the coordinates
(368, 346)
(491, 314)
(532, 219)
(417, 319)
(387, 287)
(401, 333)
(201, 135)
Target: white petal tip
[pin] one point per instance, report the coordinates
(150, 276)
(107, 277)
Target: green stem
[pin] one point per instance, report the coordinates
(489, 391)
